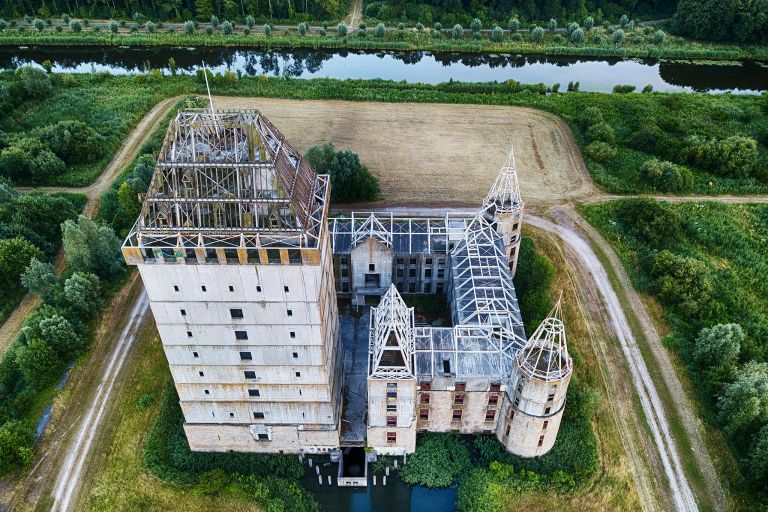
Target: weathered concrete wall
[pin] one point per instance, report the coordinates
(474, 403)
(509, 226)
(405, 439)
(402, 408)
(526, 435)
(370, 257)
(282, 438)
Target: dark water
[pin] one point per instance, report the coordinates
(425, 67)
(395, 496)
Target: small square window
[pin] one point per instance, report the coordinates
(175, 288)
(391, 437)
(391, 407)
(298, 374)
(423, 414)
(258, 415)
(207, 391)
(495, 388)
(391, 421)
(290, 312)
(183, 312)
(253, 392)
(236, 313)
(231, 288)
(246, 356)
(263, 437)
(458, 399)
(189, 334)
(490, 415)
(371, 267)
(195, 354)
(285, 289)
(249, 374)
(546, 411)
(425, 386)
(493, 400)
(413, 261)
(295, 355)
(424, 398)
(241, 335)
(258, 289)
(203, 288)
(201, 374)
(292, 334)
(461, 386)
(456, 415)
(231, 415)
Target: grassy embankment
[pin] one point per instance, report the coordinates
(597, 42)
(719, 278)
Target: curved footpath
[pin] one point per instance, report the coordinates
(63, 474)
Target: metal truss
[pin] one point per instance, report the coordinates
(545, 356)
(226, 180)
(372, 228)
(391, 339)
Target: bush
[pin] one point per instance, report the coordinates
(666, 177)
(476, 25)
(537, 34)
(623, 89)
(227, 27)
(719, 345)
(438, 460)
(214, 21)
(91, 248)
(589, 22)
(552, 25)
(189, 27)
(380, 30)
(532, 281)
(618, 36)
(267, 30)
(624, 21)
(513, 25)
(74, 141)
(149, 27)
(601, 151)
(577, 36)
(497, 34)
(302, 28)
(659, 36)
(683, 282)
(572, 26)
(457, 32)
(75, 26)
(250, 21)
(351, 181)
(29, 161)
(341, 30)
(601, 131)
(34, 82)
(15, 446)
(651, 222)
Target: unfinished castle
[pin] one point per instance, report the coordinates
(243, 266)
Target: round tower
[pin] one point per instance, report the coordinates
(504, 209)
(535, 399)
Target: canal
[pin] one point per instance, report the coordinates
(593, 74)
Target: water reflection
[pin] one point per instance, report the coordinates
(415, 66)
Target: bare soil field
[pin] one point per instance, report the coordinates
(437, 153)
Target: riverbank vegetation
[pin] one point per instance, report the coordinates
(705, 263)
(576, 39)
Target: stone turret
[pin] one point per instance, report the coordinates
(504, 208)
(535, 399)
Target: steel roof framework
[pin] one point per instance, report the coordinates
(391, 339)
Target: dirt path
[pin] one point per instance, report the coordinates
(128, 150)
(355, 14)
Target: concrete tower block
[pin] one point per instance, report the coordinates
(504, 208)
(534, 404)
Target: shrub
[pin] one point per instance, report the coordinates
(438, 460)
(552, 24)
(497, 34)
(513, 25)
(341, 30)
(589, 22)
(577, 36)
(302, 27)
(683, 282)
(82, 293)
(601, 131)
(74, 141)
(38, 363)
(15, 256)
(114, 27)
(75, 26)
(15, 446)
(3, 25)
(743, 406)
(571, 27)
(624, 21)
(623, 89)
(30, 161)
(149, 27)
(189, 27)
(351, 181)
(659, 36)
(380, 30)
(601, 151)
(719, 345)
(652, 222)
(209, 31)
(91, 248)
(618, 36)
(267, 30)
(476, 25)
(458, 31)
(648, 89)
(38, 277)
(214, 21)
(250, 21)
(39, 24)
(537, 34)
(666, 177)
(438, 26)
(532, 284)
(227, 27)
(34, 82)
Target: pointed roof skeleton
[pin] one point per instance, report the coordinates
(372, 228)
(504, 195)
(545, 356)
(391, 343)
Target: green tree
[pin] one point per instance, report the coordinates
(214, 21)
(28, 160)
(91, 248)
(589, 22)
(652, 222)
(15, 255)
(39, 24)
(513, 25)
(552, 24)
(659, 37)
(227, 27)
(728, 20)
(380, 30)
(172, 66)
(76, 26)
(684, 282)
(114, 27)
(83, 293)
(458, 31)
(577, 36)
(624, 21)
(665, 176)
(34, 82)
(497, 34)
(189, 27)
(302, 28)
(60, 336)
(250, 21)
(128, 200)
(743, 406)
(15, 446)
(719, 345)
(341, 30)
(74, 141)
(475, 25)
(351, 181)
(618, 36)
(149, 27)
(537, 34)
(38, 277)
(758, 459)
(38, 363)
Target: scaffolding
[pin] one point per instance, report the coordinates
(504, 196)
(229, 180)
(545, 356)
(391, 335)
